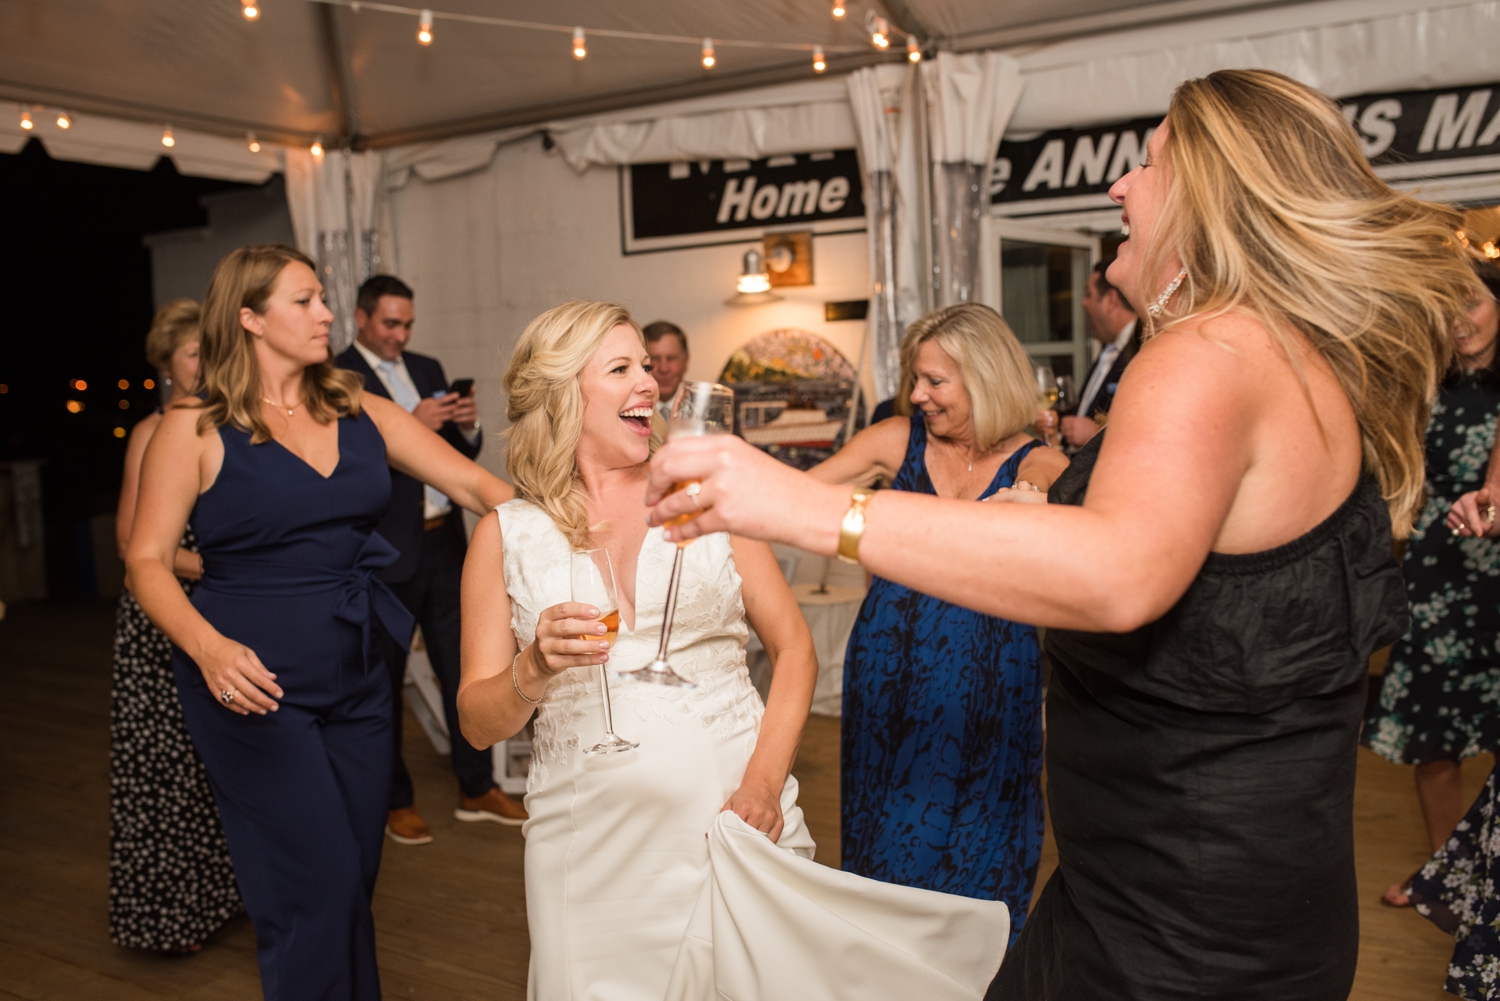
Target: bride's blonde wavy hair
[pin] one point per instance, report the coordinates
(1275, 213)
(546, 408)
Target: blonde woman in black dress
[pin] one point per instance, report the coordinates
(170, 881)
(1214, 568)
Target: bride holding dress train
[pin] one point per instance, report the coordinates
(635, 886)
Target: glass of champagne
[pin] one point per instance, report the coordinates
(700, 408)
(1047, 392)
(593, 579)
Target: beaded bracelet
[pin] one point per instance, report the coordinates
(516, 681)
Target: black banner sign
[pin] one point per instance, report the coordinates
(667, 205)
(1425, 133)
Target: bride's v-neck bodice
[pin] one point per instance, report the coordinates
(708, 636)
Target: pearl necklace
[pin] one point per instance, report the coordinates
(1161, 301)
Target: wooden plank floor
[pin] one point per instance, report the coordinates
(451, 915)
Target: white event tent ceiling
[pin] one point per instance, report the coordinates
(353, 74)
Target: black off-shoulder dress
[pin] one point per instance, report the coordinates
(1200, 777)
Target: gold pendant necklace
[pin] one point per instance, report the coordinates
(281, 406)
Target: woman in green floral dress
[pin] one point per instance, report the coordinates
(1440, 702)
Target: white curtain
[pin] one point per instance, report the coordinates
(970, 99)
(889, 162)
(336, 202)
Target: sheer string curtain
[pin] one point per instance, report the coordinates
(337, 204)
(970, 100)
(882, 99)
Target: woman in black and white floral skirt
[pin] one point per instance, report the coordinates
(1440, 701)
(170, 881)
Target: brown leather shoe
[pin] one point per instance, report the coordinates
(493, 806)
(406, 827)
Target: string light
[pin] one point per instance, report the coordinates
(26, 122)
(839, 10)
(708, 54)
(913, 51)
(580, 47)
(167, 139)
(252, 142)
(64, 121)
(249, 9)
(119, 432)
(424, 28)
(819, 63)
(123, 384)
(880, 37)
(316, 149)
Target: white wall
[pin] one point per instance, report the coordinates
(488, 251)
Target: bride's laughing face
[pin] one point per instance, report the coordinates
(619, 397)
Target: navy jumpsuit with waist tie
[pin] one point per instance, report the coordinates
(288, 564)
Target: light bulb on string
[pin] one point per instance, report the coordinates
(316, 149)
(913, 50)
(580, 46)
(167, 139)
(424, 28)
(839, 10)
(880, 37)
(250, 9)
(26, 122)
(819, 63)
(708, 54)
(252, 142)
(64, 120)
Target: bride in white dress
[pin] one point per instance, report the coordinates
(616, 850)
(678, 871)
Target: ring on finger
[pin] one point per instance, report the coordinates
(692, 490)
(227, 696)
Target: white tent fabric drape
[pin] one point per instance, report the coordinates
(889, 162)
(970, 99)
(114, 142)
(335, 206)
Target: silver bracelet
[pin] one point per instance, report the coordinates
(516, 681)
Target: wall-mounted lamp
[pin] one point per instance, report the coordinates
(754, 285)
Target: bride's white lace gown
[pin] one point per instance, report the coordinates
(637, 888)
(616, 849)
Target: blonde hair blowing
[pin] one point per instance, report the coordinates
(997, 372)
(546, 408)
(1276, 214)
(174, 324)
(229, 374)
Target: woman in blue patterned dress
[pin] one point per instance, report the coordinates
(1438, 703)
(942, 731)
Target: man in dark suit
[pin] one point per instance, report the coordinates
(1116, 327)
(428, 530)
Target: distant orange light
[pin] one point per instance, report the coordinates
(123, 384)
(79, 385)
(124, 404)
(74, 406)
(4, 389)
(119, 432)
(149, 384)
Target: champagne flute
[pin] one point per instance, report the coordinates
(700, 408)
(593, 579)
(1047, 392)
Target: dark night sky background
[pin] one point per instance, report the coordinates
(79, 308)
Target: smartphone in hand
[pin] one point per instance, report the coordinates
(463, 387)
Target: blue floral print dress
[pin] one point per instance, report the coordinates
(1441, 695)
(942, 736)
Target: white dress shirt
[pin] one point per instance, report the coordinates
(397, 381)
(1102, 366)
